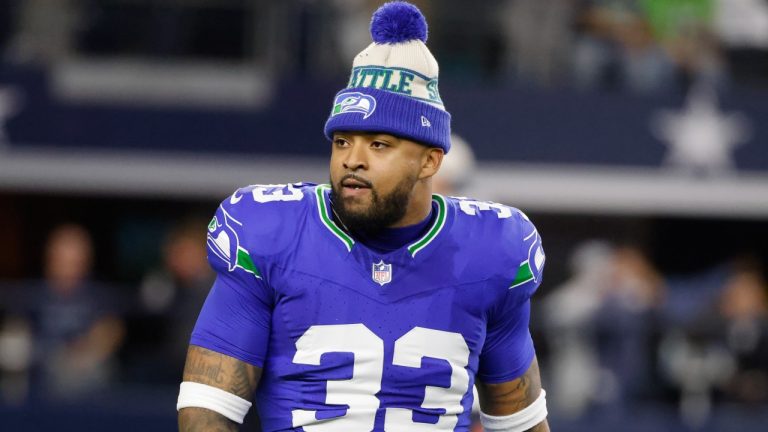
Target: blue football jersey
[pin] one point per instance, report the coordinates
(350, 339)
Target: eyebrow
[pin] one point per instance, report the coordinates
(373, 136)
(391, 139)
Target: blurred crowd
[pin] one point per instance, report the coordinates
(622, 334)
(68, 337)
(642, 46)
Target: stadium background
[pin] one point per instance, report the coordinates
(633, 133)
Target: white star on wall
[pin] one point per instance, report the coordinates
(700, 137)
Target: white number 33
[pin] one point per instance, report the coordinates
(359, 392)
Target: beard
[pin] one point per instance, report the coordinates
(382, 212)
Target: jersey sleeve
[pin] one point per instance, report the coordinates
(235, 319)
(508, 350)
(525, 267)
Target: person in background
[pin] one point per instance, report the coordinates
(537, 36)
(175, 292)
(602, 327)
(719, 352)
(743, 312)
(457, 169)
(615, 49)
(77, 334)
(45, 30)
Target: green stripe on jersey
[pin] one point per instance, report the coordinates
(524, 274)
(325, 216)
(245, 262)
(420, 244)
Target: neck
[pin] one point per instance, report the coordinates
(390, 239)
(419, 206)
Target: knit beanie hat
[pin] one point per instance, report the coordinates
(393, 85)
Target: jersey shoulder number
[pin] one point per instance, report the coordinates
(509, 239)
(255, 221)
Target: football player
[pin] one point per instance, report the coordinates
(370, 304)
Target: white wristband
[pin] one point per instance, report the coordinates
(520, 421)
(231, 406)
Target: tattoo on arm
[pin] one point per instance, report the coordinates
(512, 396)
(217, 370)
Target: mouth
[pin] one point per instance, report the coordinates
(354, 187)
(355, 183)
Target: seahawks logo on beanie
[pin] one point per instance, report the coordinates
(354, 102)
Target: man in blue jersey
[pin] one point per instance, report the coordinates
(370, 304)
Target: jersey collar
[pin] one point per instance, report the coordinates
(325, 216)
(324, 211)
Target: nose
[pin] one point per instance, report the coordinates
(355, 158)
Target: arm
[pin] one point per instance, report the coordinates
(228, 345)
(221, 371)
(513, 396)
(97, 345)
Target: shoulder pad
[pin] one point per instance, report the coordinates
(506, 239)
(257, 221)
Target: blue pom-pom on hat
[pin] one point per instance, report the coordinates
(397, 22)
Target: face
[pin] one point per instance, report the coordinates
(68, 257)
(373, 178)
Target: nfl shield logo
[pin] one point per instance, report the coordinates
(382, 273)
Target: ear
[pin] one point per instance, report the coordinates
(431, 160)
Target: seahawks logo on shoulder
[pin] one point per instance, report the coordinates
(532, 268)
(224, 243)
(349, 102)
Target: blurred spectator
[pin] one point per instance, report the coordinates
(537, 35)
(743, 312)
(647, 46)
(742, 23)
(457, 168)
(15, 359)
(569, 310)
(722, 351)
(602, 325)
(686, 30)
(695, 366)
(334, 30)
(11, 102)
(175, 293)
(615, 49)
(352, 23)
(45, 30)
(77, 331)
(742, 27)
(628, 326)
